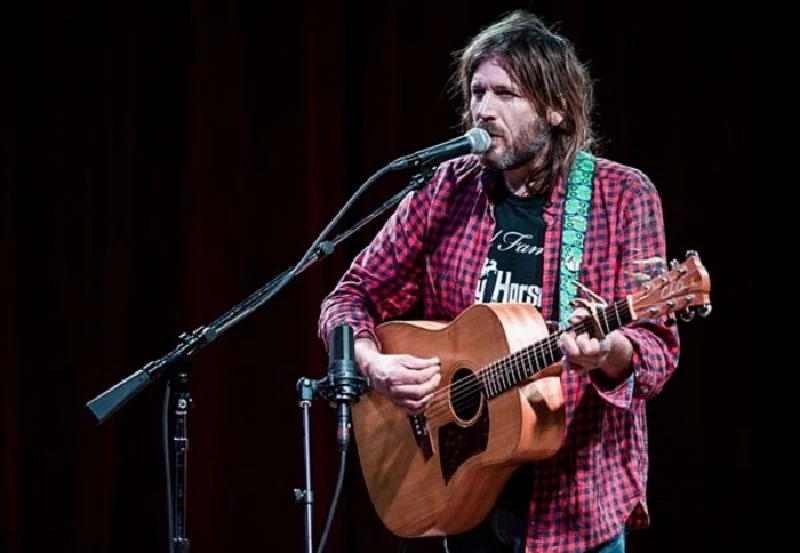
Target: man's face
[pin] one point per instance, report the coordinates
(498, 106)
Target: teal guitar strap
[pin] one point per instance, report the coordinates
(573, 230)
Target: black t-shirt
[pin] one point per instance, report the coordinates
(513, 269)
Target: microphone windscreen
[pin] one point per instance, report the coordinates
(479, 139)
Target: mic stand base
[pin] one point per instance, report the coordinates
(181, 402)
(305, 389)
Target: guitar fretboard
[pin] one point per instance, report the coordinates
(509, 371)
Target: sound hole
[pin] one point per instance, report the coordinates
(465, 394)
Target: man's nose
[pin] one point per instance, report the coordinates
(486, 109)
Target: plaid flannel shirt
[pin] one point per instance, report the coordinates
(432, 250)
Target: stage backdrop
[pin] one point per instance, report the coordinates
(160, 161)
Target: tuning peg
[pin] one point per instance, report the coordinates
(657, 272)
(704, 310)
(687, 315)
(673, 264)
(692, 253)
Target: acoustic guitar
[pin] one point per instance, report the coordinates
(499, 403)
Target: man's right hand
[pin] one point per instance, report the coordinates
(406, 380)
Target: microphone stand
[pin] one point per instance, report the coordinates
(177, 365)
(342, 386)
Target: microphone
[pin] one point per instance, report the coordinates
(344, 380)
(474, 141)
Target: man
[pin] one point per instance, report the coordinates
(524, 222)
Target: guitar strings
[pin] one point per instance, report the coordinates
(468, 388)
(463, 391)
(471, 386)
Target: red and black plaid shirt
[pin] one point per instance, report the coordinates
(433, 248)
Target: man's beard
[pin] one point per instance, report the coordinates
(529, 144)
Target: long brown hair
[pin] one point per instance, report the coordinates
(546, 68)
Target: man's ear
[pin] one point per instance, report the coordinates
(554, 118)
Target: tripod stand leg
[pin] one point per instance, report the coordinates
(306, 496)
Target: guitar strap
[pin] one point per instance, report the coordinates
(573, 230)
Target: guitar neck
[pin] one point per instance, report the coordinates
(513, 369)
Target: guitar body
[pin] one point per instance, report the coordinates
(499, 404)
(440, 473)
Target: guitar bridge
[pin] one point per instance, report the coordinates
(419, 427)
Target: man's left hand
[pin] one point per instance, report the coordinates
(612, 354)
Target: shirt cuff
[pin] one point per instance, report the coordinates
(617, 394)
(368, 333)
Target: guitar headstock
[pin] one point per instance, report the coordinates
(685, 289)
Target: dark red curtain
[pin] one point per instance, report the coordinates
(160, 161)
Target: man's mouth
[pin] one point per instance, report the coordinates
(492, 132)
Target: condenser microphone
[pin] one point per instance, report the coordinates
(344, 379)
(474, 141)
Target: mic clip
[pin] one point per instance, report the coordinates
(343, 384)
